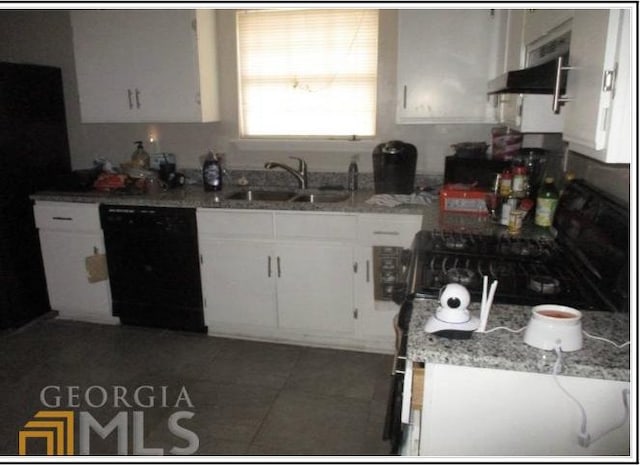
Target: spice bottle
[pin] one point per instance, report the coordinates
(546, 203)
(519, 182)
(140, 158)
(352, 175)
(505, 183)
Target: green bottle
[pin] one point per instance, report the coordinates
(546, 203)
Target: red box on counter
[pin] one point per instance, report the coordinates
(463, 198)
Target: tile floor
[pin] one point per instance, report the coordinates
(249, 398)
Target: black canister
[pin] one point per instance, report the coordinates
(394, 167)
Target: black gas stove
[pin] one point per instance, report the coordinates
(584, 265)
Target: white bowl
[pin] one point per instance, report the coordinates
(551, 325)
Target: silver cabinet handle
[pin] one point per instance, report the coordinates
(137, 99)
(404, 97)
(269, 266)
(386, 233)
(278, 265)
(367, 271)
(557, 100)
(130, 94)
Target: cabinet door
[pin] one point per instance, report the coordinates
(445, 58)
(70, 291)
(145, 65)
(238, 284)
(538, 23)
(594, 47)
(105, 67)
(315, 287)
(166, 66)
(514, 46)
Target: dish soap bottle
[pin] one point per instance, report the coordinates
(140, 157)
(212, 173)
(352, 176)
(546, 203)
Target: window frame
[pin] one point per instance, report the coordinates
(335, 140)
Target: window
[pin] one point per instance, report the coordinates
(307, 72)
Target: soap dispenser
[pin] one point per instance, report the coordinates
(212, 172)
(352, 176)
(140, 158)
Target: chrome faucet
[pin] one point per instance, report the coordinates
(300, 175)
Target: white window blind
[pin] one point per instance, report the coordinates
(308, 72)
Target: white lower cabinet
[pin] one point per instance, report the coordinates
(300, 277)
(315, 287)
(278, 275)
(236, 287)
(487, 412)
(69, 234)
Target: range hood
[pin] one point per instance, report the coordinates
(540, 79)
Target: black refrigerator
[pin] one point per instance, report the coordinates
(34, 154)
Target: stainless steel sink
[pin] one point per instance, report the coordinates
(274, 196)
(322, 197)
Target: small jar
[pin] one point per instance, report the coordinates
(516, 217)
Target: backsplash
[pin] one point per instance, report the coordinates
(612, 178)
(333, 180)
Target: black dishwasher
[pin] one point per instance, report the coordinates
(153, 262)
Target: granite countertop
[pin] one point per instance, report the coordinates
(505, 350)
(196, 196)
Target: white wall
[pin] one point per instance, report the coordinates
(52, 44)
(44, 37)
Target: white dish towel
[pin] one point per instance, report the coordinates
(393, 200)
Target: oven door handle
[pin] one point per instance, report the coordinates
(407, 386)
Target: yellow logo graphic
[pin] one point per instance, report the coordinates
(54, 426)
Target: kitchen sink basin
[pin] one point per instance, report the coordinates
(275, 196)
(323, 197)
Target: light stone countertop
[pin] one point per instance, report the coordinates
(195, 196)
(504, 350)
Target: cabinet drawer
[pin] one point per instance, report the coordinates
(64, 216)
(393, 230)
(235, 223)
(319, 226)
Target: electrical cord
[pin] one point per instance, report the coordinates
(505, 328)
(584, 438)
(619, 346)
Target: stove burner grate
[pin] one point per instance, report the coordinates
(543, 284)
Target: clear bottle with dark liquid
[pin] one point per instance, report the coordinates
(212, 173)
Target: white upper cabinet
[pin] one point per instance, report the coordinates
(598, 115)
(529, 113)
(445, 58)
(146, 65)
(538, 23)
(514, 44)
